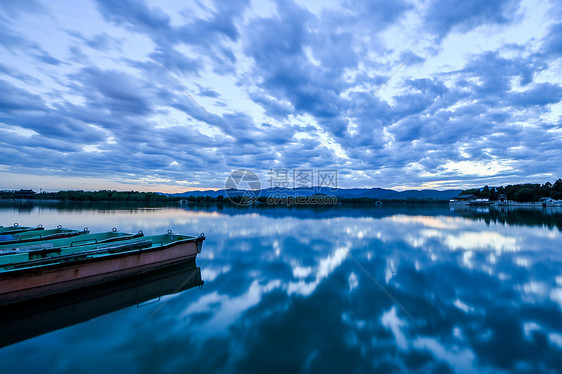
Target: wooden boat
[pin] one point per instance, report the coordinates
(16, 228)
(39, 272)
(35, 317)
(84, 239)
(38, 235)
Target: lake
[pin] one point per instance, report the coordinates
(341, 289)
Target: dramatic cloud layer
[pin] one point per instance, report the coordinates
(175, 96)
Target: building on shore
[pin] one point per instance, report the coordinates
(462, 199)
(469, 200)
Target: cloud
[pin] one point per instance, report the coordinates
(444, 16)
(13, 98)
(540, 95)
(205, 88)
(206, 35)
(101, 41)
(14, 8)
(118, 92)
(136, 15)
(553, 42)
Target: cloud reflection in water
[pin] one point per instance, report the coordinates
(282, 296)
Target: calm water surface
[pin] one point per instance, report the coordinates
(390, 289)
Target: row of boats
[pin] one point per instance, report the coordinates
(35, 262)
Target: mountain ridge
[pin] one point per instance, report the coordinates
(374, 193)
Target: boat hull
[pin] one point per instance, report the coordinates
(29, 283)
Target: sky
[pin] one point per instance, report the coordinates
(173, 96)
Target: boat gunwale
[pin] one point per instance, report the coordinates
(92, 241)
(61, 234)
(18, 229)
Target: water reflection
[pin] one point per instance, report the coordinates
(25, 320)
(282, 293)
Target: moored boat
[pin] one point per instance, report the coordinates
(84, 239)
(16, 228)
(38, 235)
(38, 272)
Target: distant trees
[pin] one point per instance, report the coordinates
(79, 195)
(111, 195)
(557, 190)
(520, 192)
(525, 194)
(206, 198)
(485, 192)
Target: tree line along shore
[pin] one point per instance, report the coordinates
(79, 195)
(135, 196)
(527, 192)
(518, 192)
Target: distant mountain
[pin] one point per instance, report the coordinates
(375, 193)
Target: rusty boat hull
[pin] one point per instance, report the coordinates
(91, 265)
